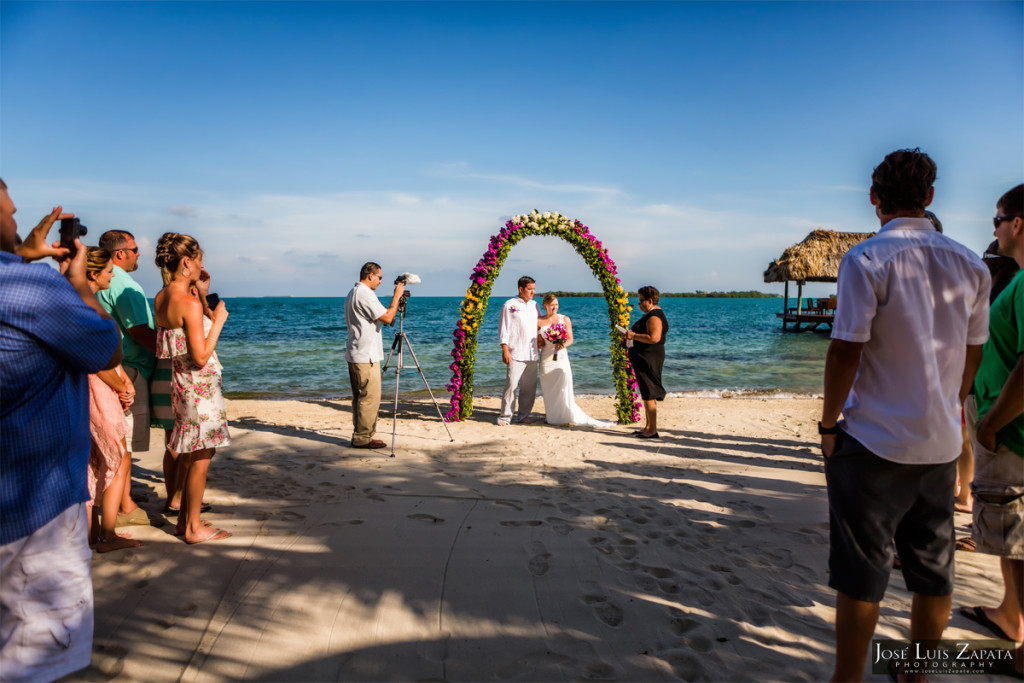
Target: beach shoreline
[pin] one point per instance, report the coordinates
(512, 553)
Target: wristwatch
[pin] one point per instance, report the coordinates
(834, 429)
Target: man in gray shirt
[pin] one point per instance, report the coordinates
(364, 314)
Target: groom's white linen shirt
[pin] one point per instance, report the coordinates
(362, 318)
(916, 299)
(517, 328)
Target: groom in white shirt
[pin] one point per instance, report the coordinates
(517, 334)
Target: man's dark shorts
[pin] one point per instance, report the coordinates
(873, 501)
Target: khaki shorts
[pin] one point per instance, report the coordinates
(139, 436)
(998, 490)
(46, 605)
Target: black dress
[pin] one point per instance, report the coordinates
(648, 359)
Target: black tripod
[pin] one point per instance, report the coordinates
(400, 343)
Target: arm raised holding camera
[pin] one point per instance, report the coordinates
(389, 315)
(35, 246)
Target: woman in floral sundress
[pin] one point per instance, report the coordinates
(200, 421)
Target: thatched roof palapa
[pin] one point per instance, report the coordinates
(816, 259)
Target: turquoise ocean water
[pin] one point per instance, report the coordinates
(295, 348)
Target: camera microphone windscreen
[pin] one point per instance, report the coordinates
(411, 279)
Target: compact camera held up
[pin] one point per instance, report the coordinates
(70, 230)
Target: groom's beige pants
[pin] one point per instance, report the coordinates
(524, 371)
(365, 379)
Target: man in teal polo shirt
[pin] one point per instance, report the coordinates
(126, 302)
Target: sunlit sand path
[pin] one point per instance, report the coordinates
(529, 553)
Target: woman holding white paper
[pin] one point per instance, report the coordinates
(647, 355)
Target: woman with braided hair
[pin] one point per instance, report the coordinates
(200, 419)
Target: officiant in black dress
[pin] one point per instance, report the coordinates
(647, 355)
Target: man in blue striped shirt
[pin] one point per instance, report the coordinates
(53, 334)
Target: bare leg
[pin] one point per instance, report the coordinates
(964, 475)
(109, 539)
(174, 473)
(651, 413)
(928, 617)
(179, 482)
(1009, 615)
(189, 521)
(94, 523)
(127, 505)
(855, 624)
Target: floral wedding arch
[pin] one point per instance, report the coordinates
(471, 312)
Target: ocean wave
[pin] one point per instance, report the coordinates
(742, 393)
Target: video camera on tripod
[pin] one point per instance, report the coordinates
(405, 279)
(397, 348)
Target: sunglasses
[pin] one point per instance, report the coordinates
(996, 220)
(133, 249)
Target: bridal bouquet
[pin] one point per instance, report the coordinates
(556, 334)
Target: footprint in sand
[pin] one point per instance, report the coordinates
(596, 597)
(435, 650)
(562, 527)
(539, 562)
(685, 664)
(683, 625)
(593, 593)
(181, 611)
(567, 509)
(600, 671)
(529, 666)
(660, 572)
(108, 659)
(756, 613)
(608, 614)
(628, 552)
(601, 545)
(425, 517)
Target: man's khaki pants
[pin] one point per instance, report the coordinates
(365, 379)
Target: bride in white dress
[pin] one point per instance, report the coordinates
(556, 375)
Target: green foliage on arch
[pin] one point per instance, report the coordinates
(474, 305)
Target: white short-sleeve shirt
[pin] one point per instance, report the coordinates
(916, 299)
(517, 328)
(362, 318)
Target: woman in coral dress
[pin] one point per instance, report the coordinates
(197, 399)
(110, 392)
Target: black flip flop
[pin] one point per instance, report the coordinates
(655, 435)
(978, 616)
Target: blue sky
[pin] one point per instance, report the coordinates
(697, 140)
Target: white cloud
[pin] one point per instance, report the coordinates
(271, 244)
(183, 211)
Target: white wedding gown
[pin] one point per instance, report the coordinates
(556, 386)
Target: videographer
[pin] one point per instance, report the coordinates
(364, 351)
(53, 334)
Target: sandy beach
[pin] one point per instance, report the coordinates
(526, 553)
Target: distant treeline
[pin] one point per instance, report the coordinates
(687, 295)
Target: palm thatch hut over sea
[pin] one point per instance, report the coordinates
(815, 259)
